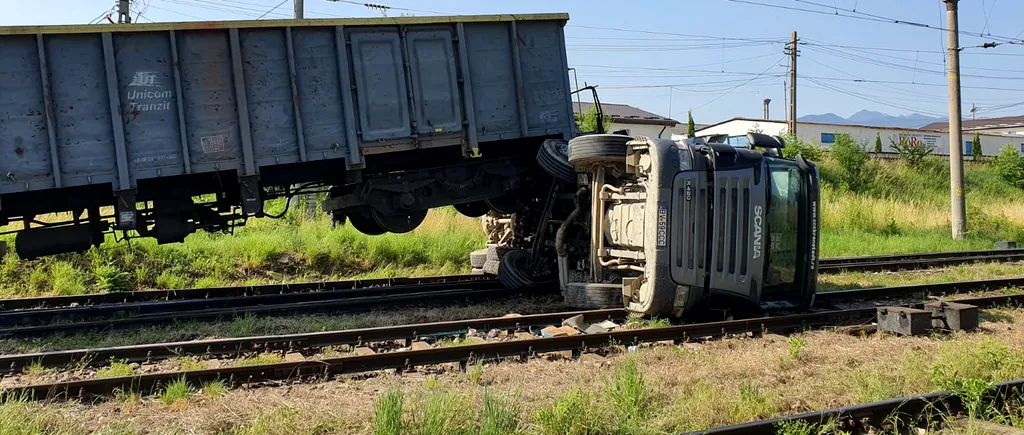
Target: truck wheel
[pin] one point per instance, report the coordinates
(365, 224)
(505, 204)
(553, 157)
(473, 209)
(400, 223)
(593, 296)
(514, 271)
(598, 149)
(478, 258)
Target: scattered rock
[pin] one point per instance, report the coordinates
(608, 324)
(523, 336)
(420, 345)
(596, 329)
(363, 350)
(294, 357)
(575, 322)
(561, 331)
(474, 340)
(134, 366)
(511, 315)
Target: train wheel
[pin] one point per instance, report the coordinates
(473, 209)
(365, 224)
(399, 223)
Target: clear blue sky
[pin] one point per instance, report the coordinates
(707, 54)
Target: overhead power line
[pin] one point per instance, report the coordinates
(854, 14)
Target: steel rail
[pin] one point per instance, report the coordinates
(827, 265)
(111, 311)
(221, 292)
(916, 261)
(861, 418)
(922, 256)
(332, 305)
(285, 371)
(294, 342)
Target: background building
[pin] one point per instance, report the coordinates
(634, 121)
(734, 132)
(1006, 125)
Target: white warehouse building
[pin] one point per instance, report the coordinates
(734, 132)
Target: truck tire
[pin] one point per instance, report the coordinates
(365, 224)
(553, 157)
(593, 296)
(473, 209)
(478, 258)
(400, 223)
(598, 149)
(515, 272)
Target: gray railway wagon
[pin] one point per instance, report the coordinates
(184, 126)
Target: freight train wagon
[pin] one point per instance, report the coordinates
(161, 130)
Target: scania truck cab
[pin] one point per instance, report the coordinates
(666, 228)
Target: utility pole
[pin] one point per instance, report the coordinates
(298, 9)
(124, 15)
(958, 218)
(791, 50)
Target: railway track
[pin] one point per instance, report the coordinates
(40, 316)
(916, 261)
(922, 411)
(303, 291)
(402, 360)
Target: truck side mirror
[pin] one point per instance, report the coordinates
(759, 140)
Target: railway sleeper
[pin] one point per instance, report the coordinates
(936, 316)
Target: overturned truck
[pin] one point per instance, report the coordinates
(666, 228)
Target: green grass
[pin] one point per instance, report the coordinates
(175, 391)
(117, 369)
(265, 251)
(214, 388)
(261, 359)
(572, 413)
(904, 209)
(387, 413)
(500, 414)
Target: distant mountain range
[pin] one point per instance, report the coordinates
(874, 119)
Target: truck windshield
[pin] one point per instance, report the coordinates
(783, 221)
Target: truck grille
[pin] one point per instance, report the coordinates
(731, 250)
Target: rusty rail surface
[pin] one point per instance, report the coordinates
(222, 292)
(290, 371)
(904, 414)
(916, 261)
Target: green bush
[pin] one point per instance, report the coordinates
(976, 147)
(1010, 166)
(878, 143)
(855, 172)
(795, 146)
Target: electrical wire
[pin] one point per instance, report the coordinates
(176, 12)
(872, 17)
(685, 35)
(385, 8)
(273, 9)
(741, 84)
